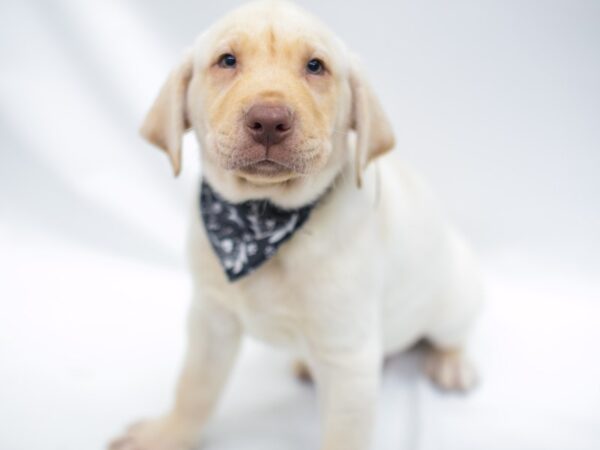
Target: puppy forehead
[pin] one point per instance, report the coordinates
(274, 26)
(270, 40)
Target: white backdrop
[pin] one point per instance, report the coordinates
(497, 102)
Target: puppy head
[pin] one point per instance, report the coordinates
(272, 96)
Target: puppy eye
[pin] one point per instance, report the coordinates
(228, 61)
(315, 67)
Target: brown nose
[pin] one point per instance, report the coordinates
(269, 124)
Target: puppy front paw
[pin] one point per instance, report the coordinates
(166, 433)
(450, 370)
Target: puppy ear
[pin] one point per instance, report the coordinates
(167, 121)
(374, 134)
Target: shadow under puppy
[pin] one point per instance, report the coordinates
(309, 235)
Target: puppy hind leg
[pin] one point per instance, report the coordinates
(446, 360)
(447, 363)
(450, 369)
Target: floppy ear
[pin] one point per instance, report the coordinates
(374, 134)
(167, 121)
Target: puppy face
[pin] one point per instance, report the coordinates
(270, 99)
(272, 95)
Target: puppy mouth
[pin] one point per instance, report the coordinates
(266, 164)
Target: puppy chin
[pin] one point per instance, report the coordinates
(269, 180)
(266, 172)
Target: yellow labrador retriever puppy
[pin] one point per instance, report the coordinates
(307, 235)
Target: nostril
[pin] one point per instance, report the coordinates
(282, 127)
(256, 126)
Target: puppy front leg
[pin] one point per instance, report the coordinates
(213, 341)
(348, 384)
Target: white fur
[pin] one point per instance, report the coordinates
(374, 270)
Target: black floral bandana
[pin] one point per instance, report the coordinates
(245, 235)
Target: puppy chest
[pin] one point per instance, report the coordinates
(270, 318)
(272, 307)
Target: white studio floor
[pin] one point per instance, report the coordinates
(79, 362)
